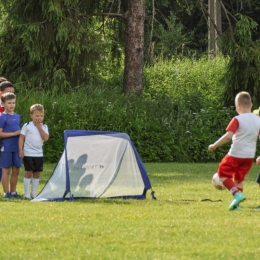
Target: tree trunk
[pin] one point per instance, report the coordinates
(214, 22)
(134, 47)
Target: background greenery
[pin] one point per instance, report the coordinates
(68, 57)
(61, 55)
(178, 116)
(67, 42)
(189, 220)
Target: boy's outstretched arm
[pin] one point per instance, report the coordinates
(222, 140)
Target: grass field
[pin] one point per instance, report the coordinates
(189, 220)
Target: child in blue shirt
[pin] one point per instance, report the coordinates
(10, 123)
(5, 86)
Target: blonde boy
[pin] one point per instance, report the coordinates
(244, 131)
(33, 134)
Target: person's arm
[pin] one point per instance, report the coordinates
(43, 134)
(230, 131)
(21, 142)
(5, 135)
(222, 140)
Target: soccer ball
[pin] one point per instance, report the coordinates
(217, 183)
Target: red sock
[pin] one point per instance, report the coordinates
(240, 189)
(230, 185)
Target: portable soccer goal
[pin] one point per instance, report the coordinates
(97, 164)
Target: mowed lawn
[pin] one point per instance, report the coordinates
(189, 220)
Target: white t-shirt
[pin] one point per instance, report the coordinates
(33, 141)
(246, 129)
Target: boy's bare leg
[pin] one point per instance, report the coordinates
(5, 179)
(14, 179)
(36, 175)
(28, 174)
(239, 185)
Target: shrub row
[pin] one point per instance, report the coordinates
(175, 120)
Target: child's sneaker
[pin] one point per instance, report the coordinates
(27, 196)
(33, 195)
(238, 197)
(15, 195)
(237, 208)
(8, 195)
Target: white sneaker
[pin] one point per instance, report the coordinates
(27, 196)
(33, 195)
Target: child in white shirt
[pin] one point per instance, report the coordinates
(32, 136)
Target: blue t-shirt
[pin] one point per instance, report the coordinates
(9, 124)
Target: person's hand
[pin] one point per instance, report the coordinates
(17, 132)
(258, 160)
(21, 153)
(211, 147)
(38, 123)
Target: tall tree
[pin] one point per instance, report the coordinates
(134, 47)
(49, 44)
(243, 70)
(59, 43)
(214, 27)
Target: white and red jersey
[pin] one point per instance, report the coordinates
(246, 129)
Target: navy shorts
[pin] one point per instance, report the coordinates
(34, 164)
(10, 159)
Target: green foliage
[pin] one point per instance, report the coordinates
(185, 22)
(181, 79)
(60, 44)
(179, 27)
(170, 40)
(243, 70)
(179, 115)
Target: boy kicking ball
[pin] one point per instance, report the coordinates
(33, 134)
(244, 131)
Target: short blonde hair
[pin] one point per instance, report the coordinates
(243, 99)
(36, 107)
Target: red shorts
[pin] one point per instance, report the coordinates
(236, 168)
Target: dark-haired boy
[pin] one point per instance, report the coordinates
(5, 86)
(10, 123)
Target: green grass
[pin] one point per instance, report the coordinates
(178, 225)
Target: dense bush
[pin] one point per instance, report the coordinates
(179, 115)
(183, 79)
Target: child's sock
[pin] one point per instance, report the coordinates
(35, 183)
(26, 185)
(230, 185)
(240, 189)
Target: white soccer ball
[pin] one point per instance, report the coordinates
(217, 183)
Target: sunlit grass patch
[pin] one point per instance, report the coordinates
(189, 220)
